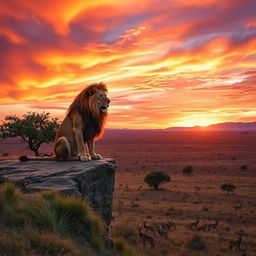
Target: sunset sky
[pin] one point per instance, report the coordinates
(166, 62)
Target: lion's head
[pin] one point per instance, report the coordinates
(92, 104)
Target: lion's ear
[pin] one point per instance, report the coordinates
(91, 91)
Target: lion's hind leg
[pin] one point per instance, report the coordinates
(62, 149)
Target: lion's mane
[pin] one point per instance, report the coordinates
(85, 104)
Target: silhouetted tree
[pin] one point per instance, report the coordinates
(154, 179)
(34, 129)
(188, 170)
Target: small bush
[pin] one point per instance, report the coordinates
(228, 187)
(196, 243)
(154, 179)
(243, 167)
(188, 170)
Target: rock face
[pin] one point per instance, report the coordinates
(93, 181)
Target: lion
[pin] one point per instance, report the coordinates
(84, 122)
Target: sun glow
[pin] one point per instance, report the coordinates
(166, 63)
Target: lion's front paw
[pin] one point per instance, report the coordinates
(84, 157)
(96, 156)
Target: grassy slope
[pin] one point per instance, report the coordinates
(50, 224)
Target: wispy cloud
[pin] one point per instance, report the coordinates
(165, 62)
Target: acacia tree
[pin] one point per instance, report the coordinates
(154, 179)
(33, 129)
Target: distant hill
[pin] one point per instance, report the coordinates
(228, 126)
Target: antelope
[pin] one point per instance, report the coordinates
(203, 228)
(148, 228)
(235, 244)
(241, 232)
(145, 238)
(193, 225)
(162, 233)
(238, 207)
(169, 225)
(172, 224)
(213, 225)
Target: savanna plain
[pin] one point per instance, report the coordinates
(190, 215)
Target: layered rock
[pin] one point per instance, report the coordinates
(93, 181)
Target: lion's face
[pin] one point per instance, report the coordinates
(102, 101)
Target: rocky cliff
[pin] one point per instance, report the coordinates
(93, 181)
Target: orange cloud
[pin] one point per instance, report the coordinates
(166, 63)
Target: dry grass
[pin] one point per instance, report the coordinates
(183, 200)
(51, 225)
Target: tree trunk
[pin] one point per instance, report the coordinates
(36, 152)
(156, 186)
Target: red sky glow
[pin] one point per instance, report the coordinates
(166, 63)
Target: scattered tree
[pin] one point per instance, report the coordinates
(243, 167)
(188, 170)
(228, 187)
(154, 179)
(34, 129)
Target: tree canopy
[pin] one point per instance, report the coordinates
(154, 179)
(33, 129)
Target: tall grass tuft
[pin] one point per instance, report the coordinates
(121, 248)
(49, 224)
(10, 204)
(126, 232)
(51, 245)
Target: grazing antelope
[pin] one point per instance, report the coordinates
(193, 225)
(145, 238)
(171, 224)
(238, 207)
(241, 232)
(148, 228)
(202, 228)
(162, 233)
(213, 225)
(235, 244)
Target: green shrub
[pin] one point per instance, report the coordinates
(196, 243)
(188, 170)
(154, 179)
(228, 187)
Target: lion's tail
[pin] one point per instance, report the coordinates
(25, 158)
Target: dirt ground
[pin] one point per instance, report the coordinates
(216, 157)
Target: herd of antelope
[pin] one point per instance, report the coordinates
(206, 227)
(147, 233)
(158, 229)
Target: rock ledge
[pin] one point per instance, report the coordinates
(93, 181)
